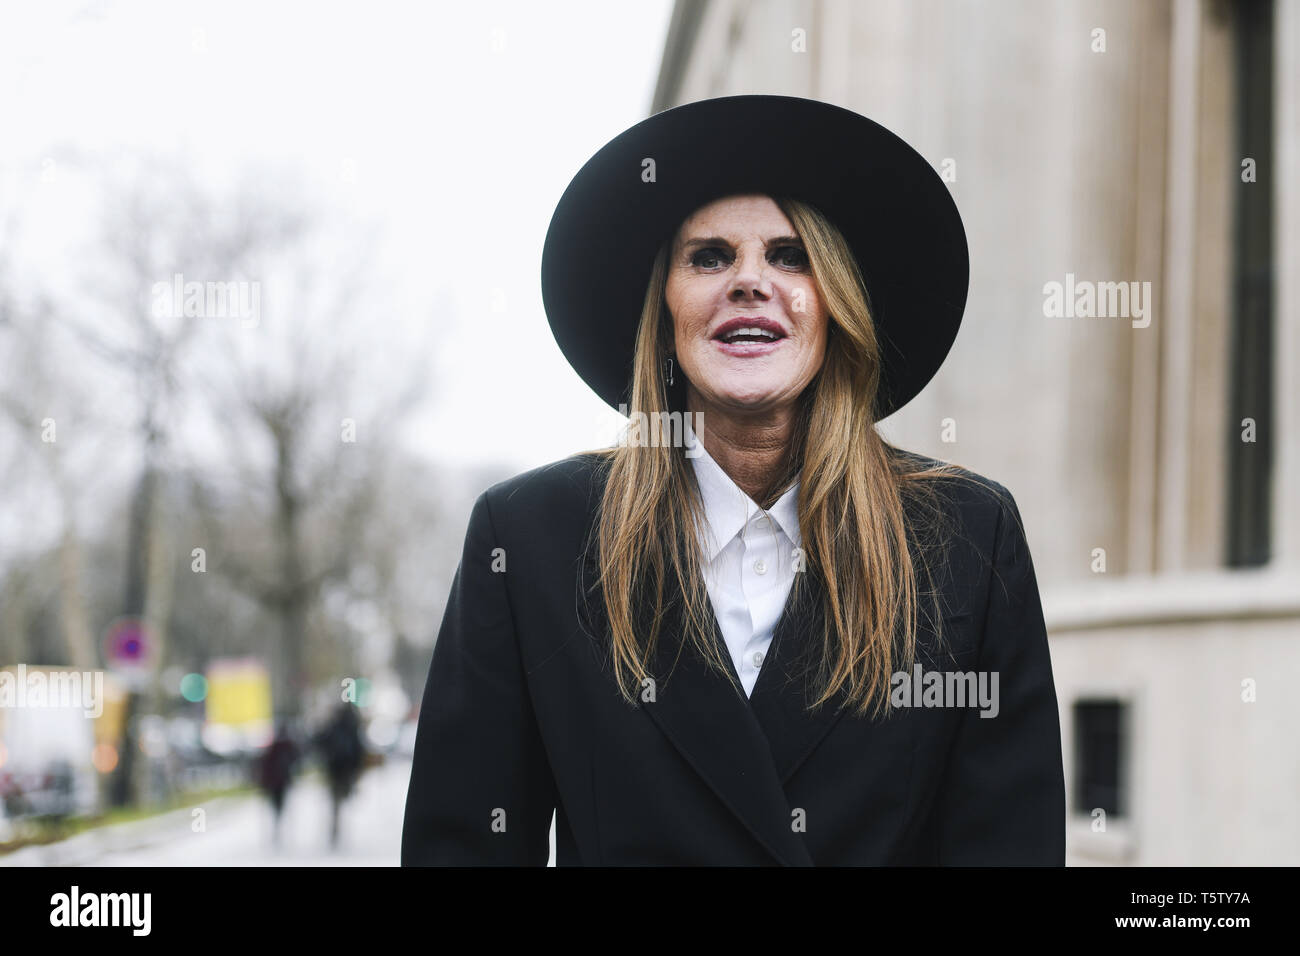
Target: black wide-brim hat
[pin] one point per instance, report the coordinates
(890, 204)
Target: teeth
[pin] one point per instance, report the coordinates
(761, 332)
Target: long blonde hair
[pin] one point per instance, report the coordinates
(852, 517)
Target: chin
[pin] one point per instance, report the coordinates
(747, 397)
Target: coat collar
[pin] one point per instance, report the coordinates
(745, 749)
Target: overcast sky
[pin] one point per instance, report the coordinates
(456, 126)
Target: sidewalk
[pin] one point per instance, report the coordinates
(236, 831)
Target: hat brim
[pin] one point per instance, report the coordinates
(890, 204)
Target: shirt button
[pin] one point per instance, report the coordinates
(758, 658)
(760, 566)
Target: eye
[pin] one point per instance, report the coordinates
(710, 257)
(793, 256)
(704, 256)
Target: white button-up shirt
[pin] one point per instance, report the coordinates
(748, 563)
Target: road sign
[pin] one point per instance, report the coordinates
(129, 650)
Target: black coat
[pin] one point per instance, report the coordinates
(519, 719)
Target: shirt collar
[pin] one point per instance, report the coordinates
(727, 508)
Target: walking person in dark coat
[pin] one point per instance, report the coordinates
(275, 773)
(344, 754)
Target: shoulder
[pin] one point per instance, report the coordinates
(563, 489)
(963, 487)
(984, 510)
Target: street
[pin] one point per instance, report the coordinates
(236, 831)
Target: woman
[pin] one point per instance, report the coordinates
(774, 638)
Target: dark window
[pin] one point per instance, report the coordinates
(1250, 464)
(1100, 736)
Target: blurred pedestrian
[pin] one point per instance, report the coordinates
(344, 754)
(275, 772)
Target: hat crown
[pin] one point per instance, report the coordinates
(892, 207)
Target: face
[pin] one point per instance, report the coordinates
(736, 265)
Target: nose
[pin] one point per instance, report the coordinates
(750, 278)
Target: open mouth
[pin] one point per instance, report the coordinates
(741, 336)
(749, 330)
(741, 345)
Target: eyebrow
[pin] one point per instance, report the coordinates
(719, 241)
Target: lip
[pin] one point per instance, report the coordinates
(749, 322)
(748, 349)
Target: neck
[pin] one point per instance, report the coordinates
(753, 449)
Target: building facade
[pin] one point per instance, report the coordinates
(1150, 434)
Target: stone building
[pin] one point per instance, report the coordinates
(1153, 456)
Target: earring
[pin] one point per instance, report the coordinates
(669, 374)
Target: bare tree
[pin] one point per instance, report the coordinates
(283, 432)
(295, 387)
(33, 383)
(157, 222)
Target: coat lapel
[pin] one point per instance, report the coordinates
(715, 728)
(780, 699)
(745, 749)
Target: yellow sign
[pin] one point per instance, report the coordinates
(239, 692)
